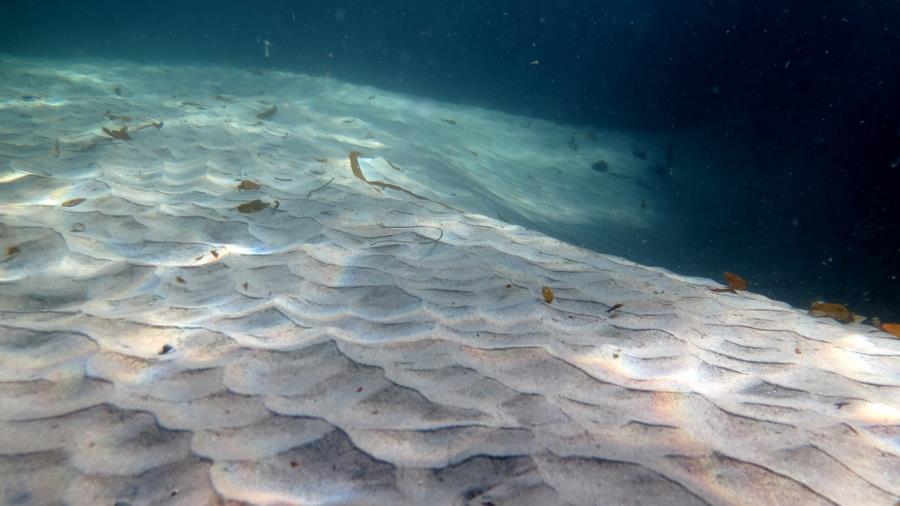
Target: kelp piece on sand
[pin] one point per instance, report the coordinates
(73, 202)
(830, 309)
(547, 294)
(357, 171)
(120, 134)
(734, 283)
(891, 328)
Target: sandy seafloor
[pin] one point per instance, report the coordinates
(354, 344)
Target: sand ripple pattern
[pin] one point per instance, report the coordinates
(158, 346)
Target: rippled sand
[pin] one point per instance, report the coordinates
(349, 344)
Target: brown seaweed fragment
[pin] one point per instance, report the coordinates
(547, 293)
(252, 206)
(734, 283)
(73, 202)
(155, 124)
(180, 280)
(354, 166)
(613, 308)
(12, 250)
(248, 185)
(833, 310)
(357, 171)
(891, 328)
(120, 134)
(268, 113)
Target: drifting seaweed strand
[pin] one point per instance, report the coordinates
(429, 239)
(319, 188)
(155, 124)
(357, 171)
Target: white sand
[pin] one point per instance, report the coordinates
(357, 346)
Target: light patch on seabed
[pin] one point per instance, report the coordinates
(171, 336)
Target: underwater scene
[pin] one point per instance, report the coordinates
(398, 252)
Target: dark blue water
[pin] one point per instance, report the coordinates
(801, 99)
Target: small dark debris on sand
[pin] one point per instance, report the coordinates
(600, 166)
(120, 134)
(252, 206)
(268, 113)
(166, 349)
(248, 185)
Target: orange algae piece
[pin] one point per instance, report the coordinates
(837, 311)
(248, 185)
(734, 283)
(73, 202)
(268, 113)
(891, 328)
(547, 293)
